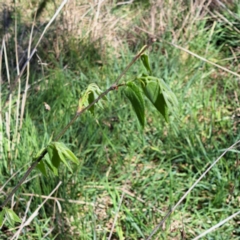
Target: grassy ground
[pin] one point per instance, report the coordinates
(134, 174)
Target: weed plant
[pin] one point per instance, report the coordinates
(124, 171)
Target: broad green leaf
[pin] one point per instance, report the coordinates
(11, 216)
(42, 168)
(50, 165)
(134, 94)
(153, 92)
(41, 165)
(39, 153)
(2, 214)
(70, 155)
(65, 153)
(82, 101)
(145, 61)
(90, 100)
(57, 152)
(59, 146)
(92, 92)
(62, 157)
(53, 155)
(53, 159)
(169, 96)
(95, 91)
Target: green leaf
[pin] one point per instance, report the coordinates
(50, 165)
(60, 147)
(65, 153)
(169, 96)
(2, 214)
(62, 157)
(70, 155)
(39, 154)
(145, 61)
(11, 216)
(53, 159)
(153, 92)
(83, 100)
(90, 100)
(92, 92)
(42, 168)
(41, 165)
(57, 152)
(134, 94)
(53, 155)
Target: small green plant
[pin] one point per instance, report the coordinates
(133, 178)
(155, 90)
(10, 216)
(57, 153)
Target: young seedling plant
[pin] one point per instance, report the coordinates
(144, 86)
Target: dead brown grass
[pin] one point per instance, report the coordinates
(108, 23)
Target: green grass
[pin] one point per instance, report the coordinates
(150, 168)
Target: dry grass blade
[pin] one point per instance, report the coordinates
(59, 199)
(16, 133)
(124, 3)
(20, 106)
(217, 225)
(116, 217)
(224, 19)
(27, 79)
(189, 190)
(1, 120)
(24, 218)
(95, 22)
(6, 60)
(51, 21)
(205, 60)
(8, 114)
